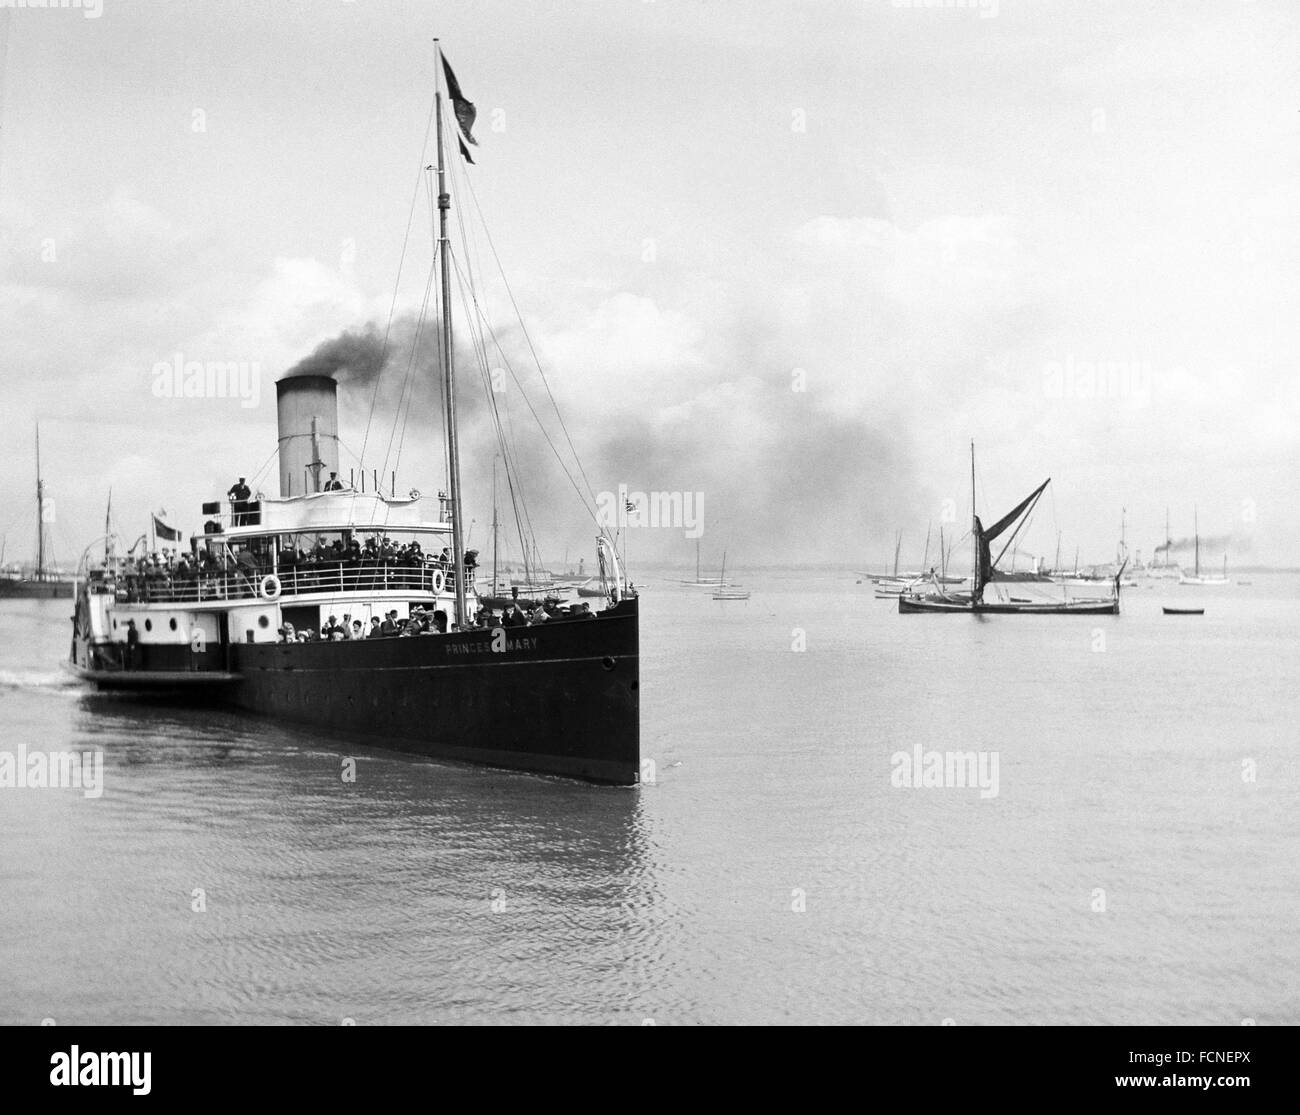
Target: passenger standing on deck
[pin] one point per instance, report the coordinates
(132, 642)
(334, 484)
(389, 627)
(239, 496)
(376, 631)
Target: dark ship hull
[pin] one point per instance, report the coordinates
(911, 604)
(561, 697)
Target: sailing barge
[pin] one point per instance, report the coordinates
(560, 696)
(987, 572)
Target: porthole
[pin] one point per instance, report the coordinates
(148, 625)
(607, 662)
(172, 623)
(262, 621)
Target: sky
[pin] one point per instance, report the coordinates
(787, 258)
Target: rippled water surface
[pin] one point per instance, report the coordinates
(771, 873)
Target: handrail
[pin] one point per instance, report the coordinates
(308, 579)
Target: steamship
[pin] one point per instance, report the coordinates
(558, 697)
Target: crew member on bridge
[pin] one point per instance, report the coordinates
(239, 496)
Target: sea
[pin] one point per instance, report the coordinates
(848, 816)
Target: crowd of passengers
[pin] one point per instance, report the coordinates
(430, 621)
(166, 571)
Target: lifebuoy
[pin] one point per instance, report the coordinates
(438, 580)
(270, 587)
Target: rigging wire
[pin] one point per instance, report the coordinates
(524, 329)
(401, 259)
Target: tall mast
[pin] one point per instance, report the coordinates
(449, 375)
(926, 558)
(697, 560)
(494, 526)
(1196, 531)
(977, 590)
(40, 511)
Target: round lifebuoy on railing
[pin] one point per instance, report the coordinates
(438, 580)
(270, 587)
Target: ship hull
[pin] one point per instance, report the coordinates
(36, 590)
(911, 605)
(561, 697)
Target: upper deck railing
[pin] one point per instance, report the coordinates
(317, 578)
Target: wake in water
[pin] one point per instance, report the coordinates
(54, 680)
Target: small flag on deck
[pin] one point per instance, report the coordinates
(163, 531)
(464, 108)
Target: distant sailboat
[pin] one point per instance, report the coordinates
(728, 593)
(43, 581)
(703, 582)
(1196, 578)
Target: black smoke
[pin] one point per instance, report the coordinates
(353, 357)
(783, 475)
(1214, 542)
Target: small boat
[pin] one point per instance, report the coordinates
(703, 582)
(1196, 578)
(1183, 611)
(729, 592)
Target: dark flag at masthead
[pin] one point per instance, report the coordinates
(464, 108)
